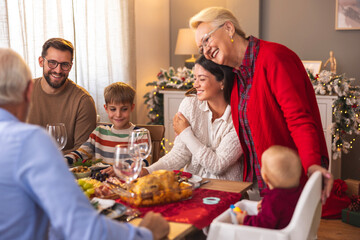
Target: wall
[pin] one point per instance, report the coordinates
(152, 48)
(308, 28)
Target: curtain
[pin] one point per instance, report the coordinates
(4, 30)
(102, 33)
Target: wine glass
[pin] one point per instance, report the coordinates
(127, 162)
(141, 137)
(58, 132)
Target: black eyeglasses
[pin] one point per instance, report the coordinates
(206, 37)
(53, 64)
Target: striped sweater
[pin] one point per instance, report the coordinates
(101, 144)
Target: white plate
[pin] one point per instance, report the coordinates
(195, 179)
(99, 165)
(103, 203)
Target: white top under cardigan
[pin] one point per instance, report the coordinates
(210, 150)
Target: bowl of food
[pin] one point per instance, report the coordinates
(81, 171)
(159, 187)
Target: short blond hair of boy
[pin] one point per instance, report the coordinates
(282, 166)
(119, 92)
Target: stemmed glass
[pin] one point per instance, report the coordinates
(141, 137)
(127, 162)
(58, 132)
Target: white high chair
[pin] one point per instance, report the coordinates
(303, 225)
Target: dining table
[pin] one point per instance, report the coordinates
(179, 230)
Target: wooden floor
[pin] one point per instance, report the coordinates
(335, 229)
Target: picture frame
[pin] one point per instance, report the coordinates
(313, 67)
(347, 15)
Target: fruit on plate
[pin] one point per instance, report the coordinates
(81, 172)
(99, 176)
(80, 169)
(94, 188)
(88, 186)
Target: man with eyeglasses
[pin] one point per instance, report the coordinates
(57, 99)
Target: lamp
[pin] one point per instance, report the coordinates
(185, 45)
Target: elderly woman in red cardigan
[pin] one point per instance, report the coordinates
(272, 98)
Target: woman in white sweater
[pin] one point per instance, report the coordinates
(206, 144)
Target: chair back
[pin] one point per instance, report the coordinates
(303, 224)
(157, 134)
(306, 218)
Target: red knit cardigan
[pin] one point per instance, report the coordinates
(282, 108)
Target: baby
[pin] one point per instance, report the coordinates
(281, 170)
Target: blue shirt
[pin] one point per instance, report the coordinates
(37, 189)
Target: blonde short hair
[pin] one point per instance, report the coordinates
(119, 92)
(14, 77)
(216, 16)
(282, 166)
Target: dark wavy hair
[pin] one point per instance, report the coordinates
(59, 44)
(221, 73)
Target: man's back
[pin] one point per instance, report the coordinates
(37, 188)
(73, 106)
(20, 213)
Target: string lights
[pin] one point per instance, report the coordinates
(163, 145)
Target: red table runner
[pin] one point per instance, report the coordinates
(194, 210)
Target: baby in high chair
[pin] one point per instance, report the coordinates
(281, 170)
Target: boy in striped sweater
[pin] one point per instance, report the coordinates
(119, 104)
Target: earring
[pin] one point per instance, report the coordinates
(222, 88)
(232, 40)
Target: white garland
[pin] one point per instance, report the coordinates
(345, 109)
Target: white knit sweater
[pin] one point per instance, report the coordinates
(192, 149)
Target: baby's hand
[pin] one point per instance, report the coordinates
(240, 216)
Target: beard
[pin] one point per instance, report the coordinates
(55, 85)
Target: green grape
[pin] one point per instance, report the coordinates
(87, 194)
(90, 190)
(87, 186)
(81, 182)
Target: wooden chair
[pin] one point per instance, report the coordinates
(157, 134)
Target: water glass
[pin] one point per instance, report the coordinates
(58, 132)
